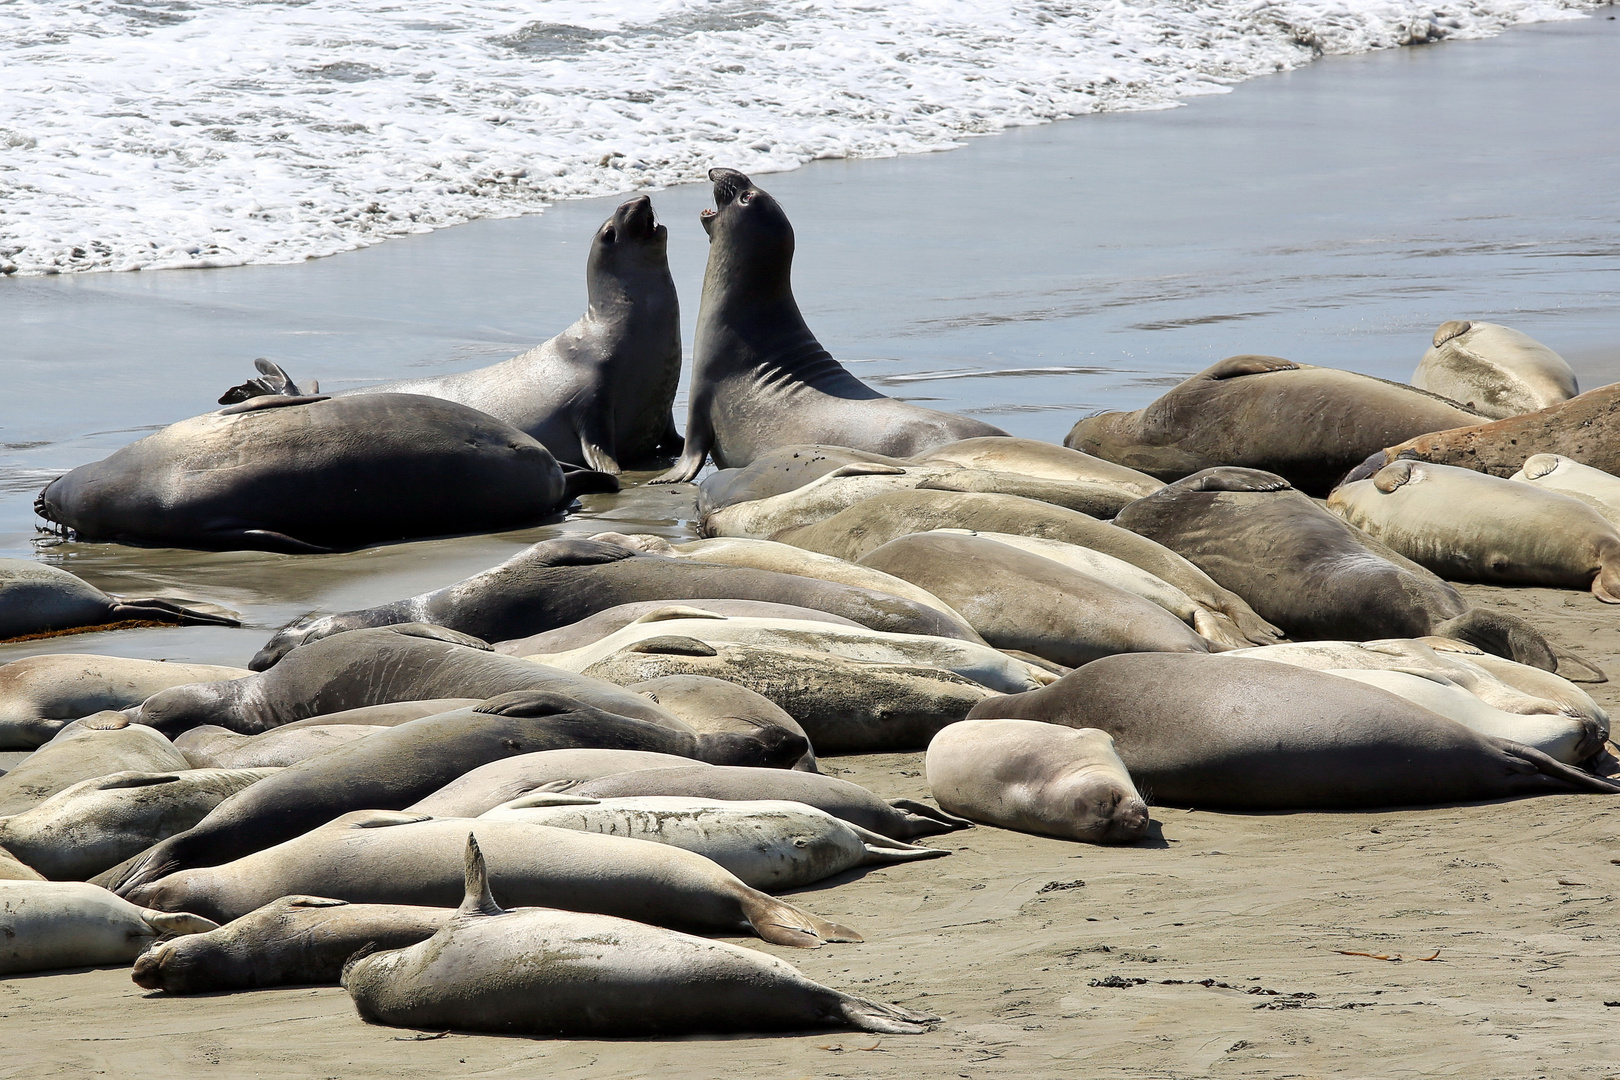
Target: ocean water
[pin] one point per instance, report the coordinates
(146, 134)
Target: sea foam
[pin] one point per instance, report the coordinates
(167, 133)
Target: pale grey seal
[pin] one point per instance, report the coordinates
(39, 695)
(1496, 371)
(46, 925)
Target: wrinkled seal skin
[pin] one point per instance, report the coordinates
(898, 819)
(36, 599)
(294, 941)
(1470, 526)
(1232, 733)
(316, 474)
(600, 393)
(1496, 371)
(1038, 778)
(1311, 573)
(760, 379)
(399, 765)
(373, 667)
(1584, 429)
(570, 974)
(558, 582)
(1308, 424)
(39, 695)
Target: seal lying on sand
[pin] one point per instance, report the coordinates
(599, 394)
(40, 601)
(594, 628)
(39, 695)
(94, 746)
(570, 975)
(488, 786)
(1493, 370)
(317, 474)
(51, 924)
(1232, 733)
(1470, 526)
(1308, 424)
(760, 379)
(1594, 487)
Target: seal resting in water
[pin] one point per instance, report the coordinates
(40, 601)
(1228, 732)
(600, 393)
(1496, 371)
(574, 975)
(317, 474)
(760, 379)
(1308, 424)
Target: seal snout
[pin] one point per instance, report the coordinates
(634, 220)
(728, 185)
(1129, 823)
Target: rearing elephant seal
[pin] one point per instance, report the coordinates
(598, 394)
(1494, 370)
(1233, 733)
(760, 379)
(1308, 424)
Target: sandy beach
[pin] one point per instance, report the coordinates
(1334, 215)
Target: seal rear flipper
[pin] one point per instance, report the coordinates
(1504, 635)
(273, 381)
(177, 922)
(1528, 761)
(578, 481)
(158, 609)
(478, 900)
(884, 1019)
(780, 923)
(1576, 668)
(922, 810)
(1606, 583)
(880, 850)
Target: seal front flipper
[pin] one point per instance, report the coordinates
(1232, 478)
(1235, 366)
(577, 481)
(699, 441)
(596, 436)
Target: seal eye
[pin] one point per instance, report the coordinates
(746, 197)
(609, 235)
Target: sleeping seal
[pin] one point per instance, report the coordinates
(1471, 526)
(94, 746)
(41, 601)
(46, 925)
(488, 786)
(1232, 733)
(760, 379)
(316, 474)
(1308, 424)
(1594, 487)
(39, 695)
(571, 975)
(1493, 370)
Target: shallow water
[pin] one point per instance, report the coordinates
(1333, 215)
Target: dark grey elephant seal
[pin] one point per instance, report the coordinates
(898, 819)
(760, 379)
(545, 972)
(317, 474)
(559, 582)
(397, 766)
(1308, 424)
(599, 394)
(1233, 733)
(374, 667)
(1310, 572)
(42, 601)
(294, 941)
(594, 628)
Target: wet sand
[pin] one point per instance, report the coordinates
(1333, 215)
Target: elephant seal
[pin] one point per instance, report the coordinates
(38, 601)
(271, 473)
(98, 823)
(770, 844)
(599, 393)
(94, 746)
(488, 786)
(865, 527)
(1308, 424)
(14, 869)
(210, 747)
(1031, 457)
(1240, 734)
(780, 470)
(1496, 371)
(1022, 601)
(559, 582)
(1594, 487)
(594, 628)
(39, 695)
(407, 662)
(1036, 778)
(1308, 571)
(760, 379)
(399, 765)
(1586, 428)
(386, 857)
(574, 975)
(717, 705)
(845, 706)
(898, 819)
(1471, 526)
(49, 925)
(293, 941)
(390, 714)
(1563, 738)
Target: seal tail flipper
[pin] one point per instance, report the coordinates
(924, 812)
(478, 900)
(881, 849)
(1576, 668)
(1606, 583)
(158, 609)
(273, 381)
(884, 1019)
(1502, 634)
(780, 923)
(1528, 760)
(177, 922)
(578, 481)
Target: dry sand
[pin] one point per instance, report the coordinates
(1222, 947)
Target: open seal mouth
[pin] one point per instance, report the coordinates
(636, 219)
